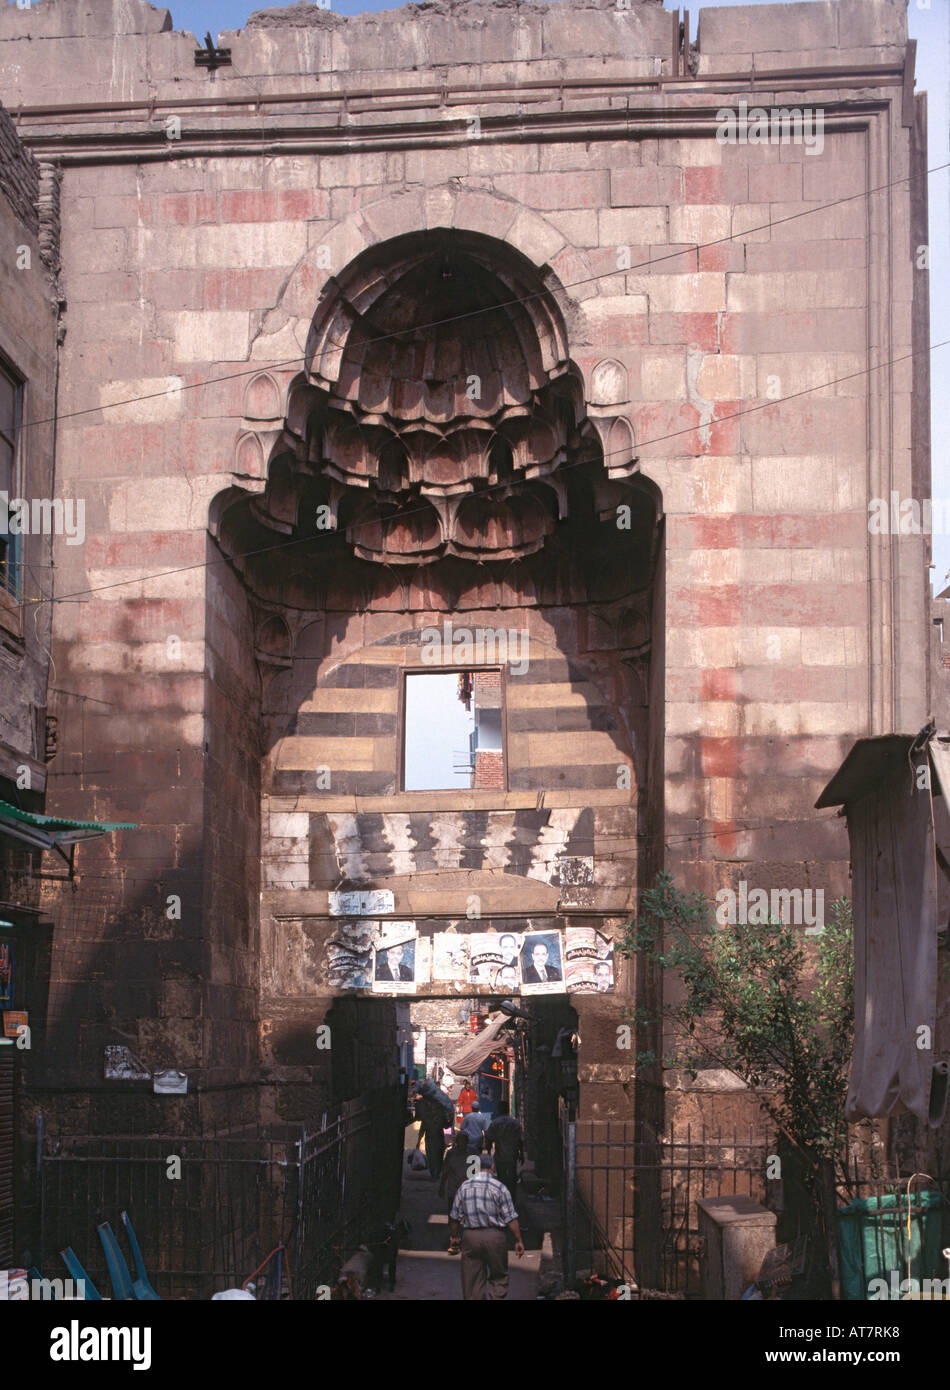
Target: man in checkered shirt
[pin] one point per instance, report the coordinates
(483, 1211)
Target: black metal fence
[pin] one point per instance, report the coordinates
(630, 1207)
(207, 1211)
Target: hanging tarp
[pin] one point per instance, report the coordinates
(470, 1057)
(893, 864)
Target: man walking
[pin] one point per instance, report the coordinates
(432, 1114)
(503, 1138)
(483, 1212)
(473, 1126)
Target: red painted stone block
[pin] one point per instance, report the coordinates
(692, 330)
(242, 289)
(184, 209)
(273, 205)
(716, 183)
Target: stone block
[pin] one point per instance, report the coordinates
(764, 29)
(435, 166)
(691, 330)
(372, 168)
(775, 183)
(277, 205)
(618, 321)
(395, 216)
(143, 399)
(534, 237)
(663, 376)
(207, 336)
(632, 226)
(179, 209)
(580, 228)
(737, 1233)
(648, 186)
(582, 189)
(824, 180)
(681, 294)
(751, 222)
(859, 23)
(716, 184)
(700, 223)
(478, 212)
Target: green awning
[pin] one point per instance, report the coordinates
(52, 832)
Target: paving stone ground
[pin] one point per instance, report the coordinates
(426, 1272)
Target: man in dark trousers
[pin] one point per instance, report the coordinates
(504, 1141)
(455, 1171)
(482, 1214)
(432, 1115)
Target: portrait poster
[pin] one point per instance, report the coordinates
(484, 956)
(507, 975)
(542, 966)
(451, 959)
(386, 934)
(588, 961)
(395, 962)
(348, 956)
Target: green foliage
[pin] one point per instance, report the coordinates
(758, 1001)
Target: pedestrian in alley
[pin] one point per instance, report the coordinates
(481, 1216)
(436, 1113)
(473, 1126)
(467, 1097)
(454, 1173)
(505, 1142)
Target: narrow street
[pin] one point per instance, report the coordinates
(425, 1271)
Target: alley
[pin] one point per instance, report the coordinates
(425, 1271)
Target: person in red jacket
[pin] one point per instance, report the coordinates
(467, 1098)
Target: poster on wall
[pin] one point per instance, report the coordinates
(348, 956)
(495, 960)
(542, 969)
(589, 961)
(370, 903)
(451, 960)
(397, 959)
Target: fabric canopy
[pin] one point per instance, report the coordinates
(470, 1057)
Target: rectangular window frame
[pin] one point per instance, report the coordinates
(11, 579)
(451, 670)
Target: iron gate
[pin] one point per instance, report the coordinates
(630, 1206)
(207, 1211)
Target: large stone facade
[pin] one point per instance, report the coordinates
(28, 351)
(282, 280)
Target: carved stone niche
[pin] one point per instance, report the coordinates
(609, 383)
(618, 442)
(273, 644)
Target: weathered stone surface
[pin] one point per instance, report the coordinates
(264, 324)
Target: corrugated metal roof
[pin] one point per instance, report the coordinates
(53, 823)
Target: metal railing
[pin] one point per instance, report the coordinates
(207, 1211)
(630, 1206)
